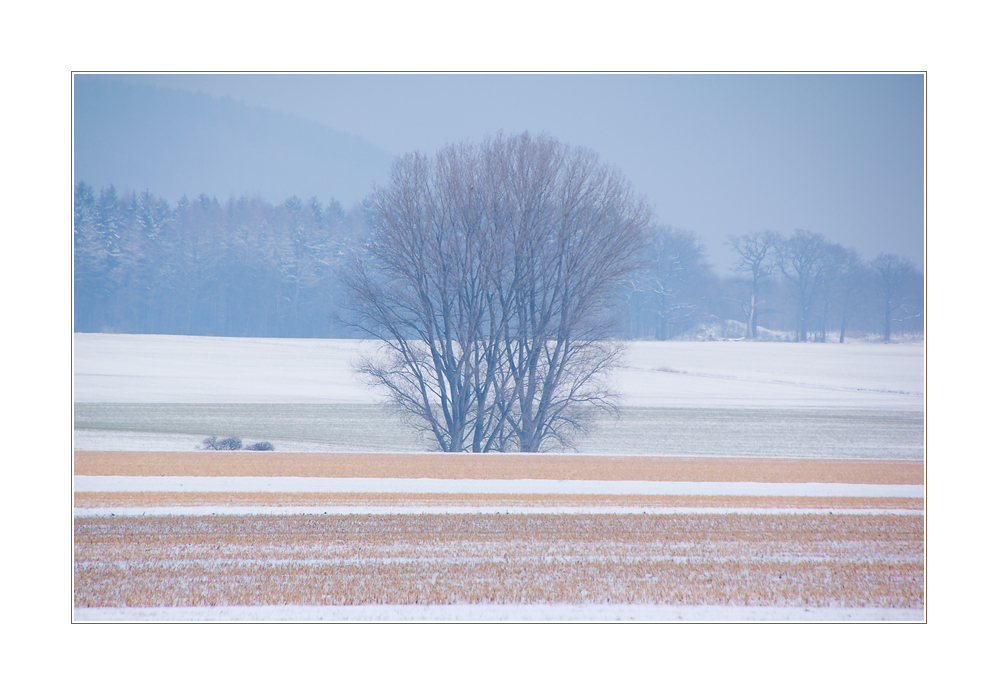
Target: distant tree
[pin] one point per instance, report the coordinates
(260, 446)
(851, 284)
(490, 279)
(899, 289)
(303, 257)
(213, 443)
(756, 259)
(101, 255)
(667, 295)
(198, 256)
(334, 211)
(249, 278)
(809, 263)
(828, 291)
(90, 259)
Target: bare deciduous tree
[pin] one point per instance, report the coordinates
(757, 258)
(850, 282)
(666, 297)
(810, 263)
(898, 287)
(490, 280)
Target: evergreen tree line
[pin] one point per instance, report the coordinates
(245, 268)
(250, 268)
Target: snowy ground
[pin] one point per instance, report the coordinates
(857, 400)
(197, 369)
(479, 612)
(720, 399)
(450, 486)
(193, 369)
(774, 375)
(786, 432)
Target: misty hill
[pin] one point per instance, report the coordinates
(139, 137)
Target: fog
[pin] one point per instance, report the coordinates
(719, 155)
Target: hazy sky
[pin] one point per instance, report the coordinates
(717, 154)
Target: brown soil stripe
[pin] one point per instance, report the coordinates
(91, 500)
(497, 466)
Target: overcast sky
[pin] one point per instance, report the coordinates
(716, 154)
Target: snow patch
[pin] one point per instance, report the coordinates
(114, 483)
(502, 613)
(93, 512)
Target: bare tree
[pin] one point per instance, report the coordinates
(898, 288)
(809, 263)
(851, 282)
(489, 279)
(667, 296)
(830, 286)
(756, 258)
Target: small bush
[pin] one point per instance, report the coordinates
(208, 444)
(230, 444)
(215, 444)
(260, 446)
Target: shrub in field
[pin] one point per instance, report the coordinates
(260, 446)
(230, 444)
(208, 443)
(215, 444)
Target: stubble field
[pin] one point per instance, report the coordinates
(836, 538)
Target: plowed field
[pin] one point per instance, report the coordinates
(139, 547)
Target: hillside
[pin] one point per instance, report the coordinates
(138, 137)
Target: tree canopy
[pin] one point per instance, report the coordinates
(492, 277)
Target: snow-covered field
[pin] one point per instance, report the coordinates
(239, 536)
(869, 376)
(485, 612)
(192, 369)
(451, 486)
(857, 400)
(312, 427)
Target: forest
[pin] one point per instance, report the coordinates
(247, 267)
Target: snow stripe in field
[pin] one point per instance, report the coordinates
(502, 612)
(96, 483)
(387, 511)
